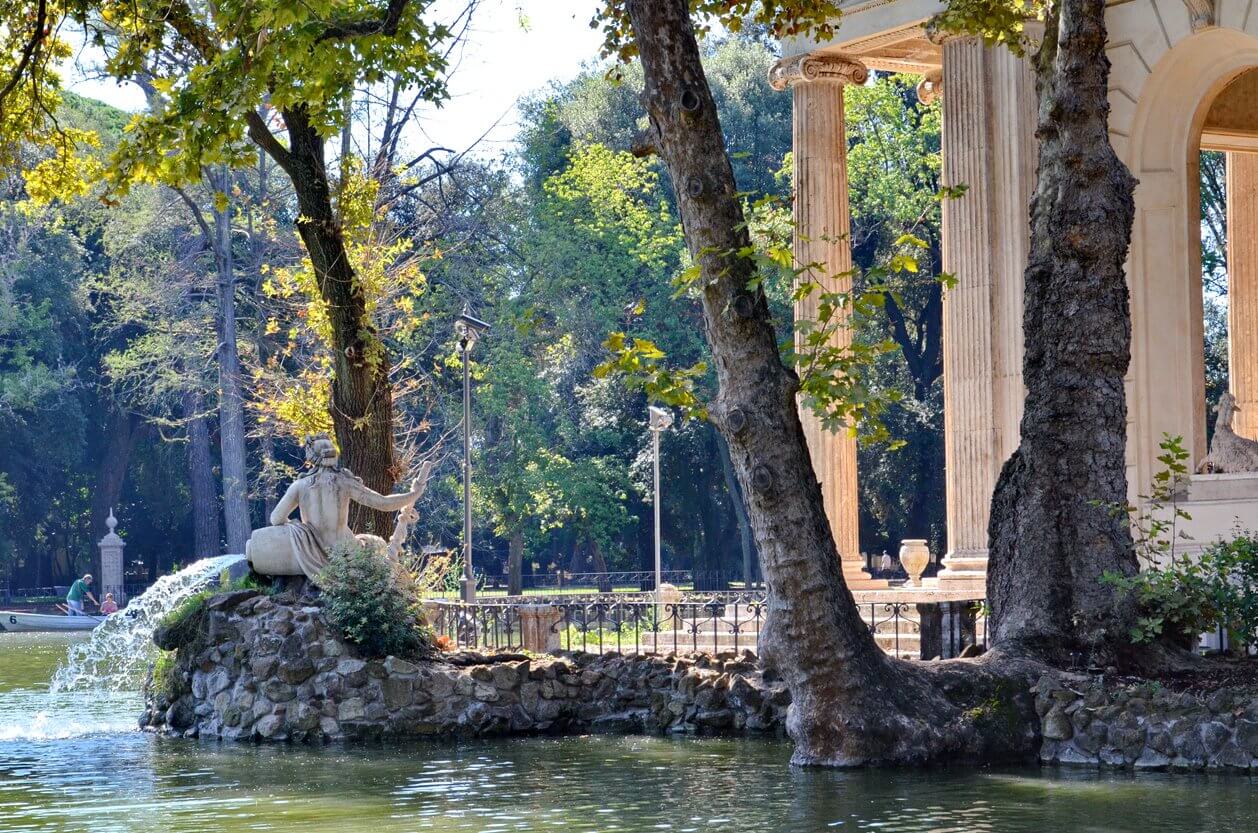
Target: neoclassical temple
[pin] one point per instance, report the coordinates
(1184, 79)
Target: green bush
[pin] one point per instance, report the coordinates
(1190, 596)
(372, 605)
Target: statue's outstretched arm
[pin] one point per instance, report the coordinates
(279, 515)
(392, 503)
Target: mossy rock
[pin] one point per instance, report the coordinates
(185, 624)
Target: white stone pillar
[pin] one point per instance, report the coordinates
(822, 237)
(111, 561)
(989, 108)
(1242, 289)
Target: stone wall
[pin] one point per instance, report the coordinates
(263, 668)
(1087, 722)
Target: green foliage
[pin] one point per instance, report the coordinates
(1189, 596)
(1155, 526)
(167, 680)
(183, 624)
(233, 58)
(1181, 595)
(996, 21)
(372, 604)
(782, 18)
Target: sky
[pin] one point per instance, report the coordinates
(514, 48)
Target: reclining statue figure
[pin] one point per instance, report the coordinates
(1229, 452)
(294, 548)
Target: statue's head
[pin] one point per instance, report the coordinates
(322, 453)
(1227, 407)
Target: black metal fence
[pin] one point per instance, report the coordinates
(698, 623)
(624, 581)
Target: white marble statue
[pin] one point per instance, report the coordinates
(1229, 452)
(293, 548)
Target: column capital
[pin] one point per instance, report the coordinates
(1202, 13)
(817, 67)
(930, 87)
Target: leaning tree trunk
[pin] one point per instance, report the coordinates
(206, 535)
(1053, 529)
(362, 396)
(231, 403)
(851, 704)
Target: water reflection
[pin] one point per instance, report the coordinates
(83, 769)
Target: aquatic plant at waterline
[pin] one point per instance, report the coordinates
(118, 654)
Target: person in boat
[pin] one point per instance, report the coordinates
(78, 590)
(109, 605)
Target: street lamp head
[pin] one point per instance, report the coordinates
(660, 418)
(468, 328)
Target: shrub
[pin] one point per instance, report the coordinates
(1189, 596)
(373, 604)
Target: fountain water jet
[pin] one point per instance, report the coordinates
(117, 655)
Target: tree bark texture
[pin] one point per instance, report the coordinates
(206, 533)
(515, 564)
(1053, 531)
(851, 703)
(362, 396)
(231, 404)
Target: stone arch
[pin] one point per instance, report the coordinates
(1159, 139)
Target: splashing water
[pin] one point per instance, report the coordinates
(117, 655)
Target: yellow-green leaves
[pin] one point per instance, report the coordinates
(996, 21)
(614, 196)
(641, 365)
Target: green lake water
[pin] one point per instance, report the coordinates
(73, 762)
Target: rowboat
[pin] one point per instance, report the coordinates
(18, 622)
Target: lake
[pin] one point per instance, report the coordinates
(74, 762)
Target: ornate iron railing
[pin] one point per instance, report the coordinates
(697, 623)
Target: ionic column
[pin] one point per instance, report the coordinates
(822, 232)
(1242, 290)
(989, 108)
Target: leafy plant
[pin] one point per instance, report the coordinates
(374, 605)
(1189, 596)
(1180, 595)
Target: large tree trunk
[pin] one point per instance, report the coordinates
(231, 406)
(851, 704)
(206, 535)
(515, 564)
(1053, 529)
(600, 566)
(362, 397)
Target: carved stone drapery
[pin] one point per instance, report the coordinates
(822, 229)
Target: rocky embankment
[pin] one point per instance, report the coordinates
(254, 667)
(1089, 722)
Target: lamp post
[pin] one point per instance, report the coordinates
(659, 422)
(467, 328)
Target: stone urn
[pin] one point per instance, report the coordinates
(914, 555)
